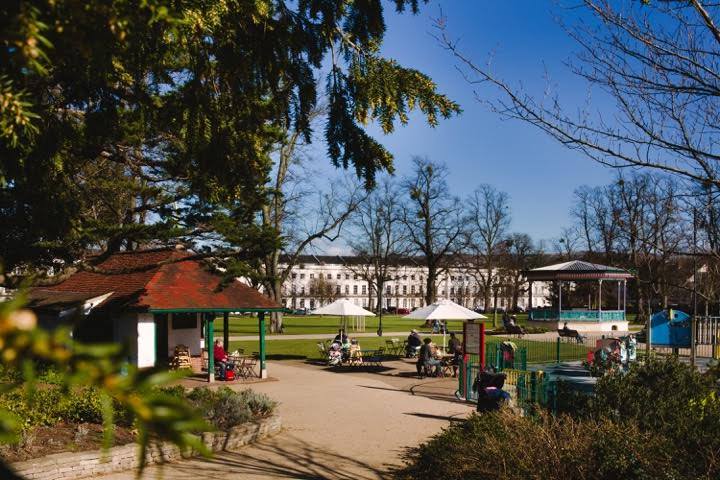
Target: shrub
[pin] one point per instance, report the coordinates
(659, 421)
(504, 445)
(226, 408)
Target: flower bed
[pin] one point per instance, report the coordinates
(54, 421)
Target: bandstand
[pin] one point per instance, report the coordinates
(597, 315)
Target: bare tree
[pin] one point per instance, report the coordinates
(566, 245)
(299, 214)
(324, 290)
(487, 220)
(658, 63)
(377, 237)
(433, 219)
(519, 254)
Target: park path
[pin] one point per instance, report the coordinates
(336, 425)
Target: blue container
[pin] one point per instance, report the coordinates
(670, 328)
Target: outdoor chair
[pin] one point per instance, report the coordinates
(247, 369)
(374, 358)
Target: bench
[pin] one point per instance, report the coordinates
(371, 358)
(515, 330)
(567, 333)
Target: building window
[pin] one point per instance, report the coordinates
(388, 289)
(184, 321)
(452, 290)
(404, 302)
(312, 303)
(347, 289)
(412, 277)
(404, 277)
(412, 303)
(302, 276)
(302, 303)
(302, 290)
(312, 275)
(397, 289)
(337, 289)
(338, 276)
(347, 276)
(329, 276)
(354, 289)
(405, 290)
(412, 288)
(364, 290)
(294, 276)
(355, 277)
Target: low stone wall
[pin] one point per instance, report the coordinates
(70, 465)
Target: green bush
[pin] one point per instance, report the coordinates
(224, 408)
(659, 421)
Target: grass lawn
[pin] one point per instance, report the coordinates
(537, 351)
(314, 324)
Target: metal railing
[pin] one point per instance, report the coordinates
(578, 315)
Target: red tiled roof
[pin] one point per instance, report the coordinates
(141, 280)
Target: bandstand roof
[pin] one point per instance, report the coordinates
(577, 270)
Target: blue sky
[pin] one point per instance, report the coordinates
(524, 41)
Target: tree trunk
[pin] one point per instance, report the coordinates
(430, 285)
(276, 318)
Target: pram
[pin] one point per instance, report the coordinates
(335, 355)
(491, 396)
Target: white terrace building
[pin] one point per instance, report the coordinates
(308, 284)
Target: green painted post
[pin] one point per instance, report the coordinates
(557, 350)
(209, 345)
(498, 358)
(226, 331)
(261, 329)
(533, 387)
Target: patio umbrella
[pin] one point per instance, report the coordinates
(343, 308)
(444, 310)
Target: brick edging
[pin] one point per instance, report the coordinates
(76, 465)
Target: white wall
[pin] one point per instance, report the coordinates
(145, 340)
(185, 336)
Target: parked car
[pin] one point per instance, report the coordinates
(403, 311)
(479, 309)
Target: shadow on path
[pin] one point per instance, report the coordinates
(286, 457)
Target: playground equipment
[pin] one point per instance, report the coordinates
(670, 328)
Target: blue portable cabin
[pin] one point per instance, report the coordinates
(670, 328)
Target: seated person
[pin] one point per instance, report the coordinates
(341, 337)
(355, 351)
(455, 348)
(413, 344)
(426, 360)
(221, 359)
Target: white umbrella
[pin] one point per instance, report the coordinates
(344, 308)
(444, 310)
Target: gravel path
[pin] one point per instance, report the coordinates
(338, 424)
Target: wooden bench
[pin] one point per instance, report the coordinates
(515, 330)
(567, 333)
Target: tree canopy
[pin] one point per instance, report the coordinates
(125, 123)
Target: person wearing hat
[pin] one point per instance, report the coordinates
(413, 344)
